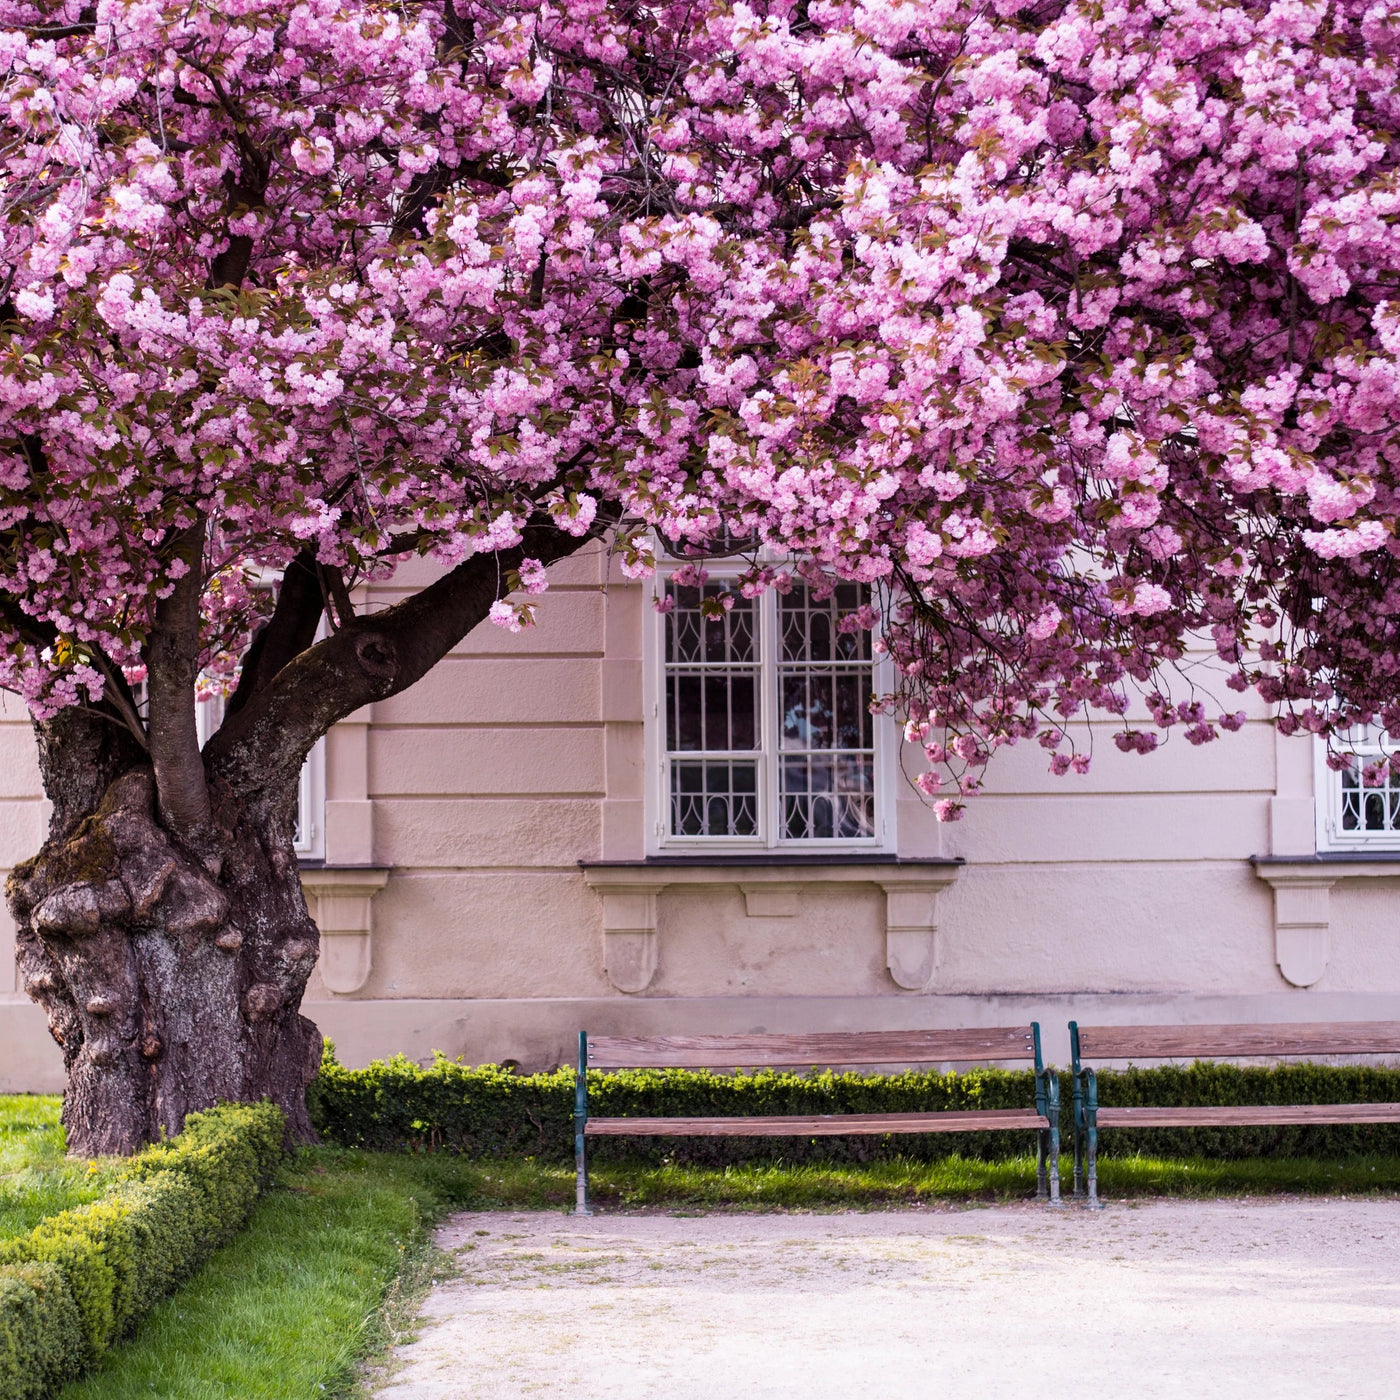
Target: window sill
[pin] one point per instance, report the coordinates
(771, 884)
(1385, 861)
(1302, 887)
(806, 859)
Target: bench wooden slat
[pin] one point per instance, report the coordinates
(819, 1125)
(835, 1048)
(1243, 1115)
(1191, 1042)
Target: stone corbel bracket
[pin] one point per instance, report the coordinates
(629, 934)
(1302, 907)
(630, 891)
(340, 899)
(911, 929)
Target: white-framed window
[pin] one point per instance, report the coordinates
(759, 731)
(1350, 815)
(310, 839)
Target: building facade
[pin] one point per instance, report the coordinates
(625, 819)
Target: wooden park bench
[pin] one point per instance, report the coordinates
(1271, 1042)
(998, 1044)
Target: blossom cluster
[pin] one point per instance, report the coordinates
(1073, 326)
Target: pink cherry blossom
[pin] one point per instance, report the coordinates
(1069, 331)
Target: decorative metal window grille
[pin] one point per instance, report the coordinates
(1356, 816)
(712, 715)
(768, 733)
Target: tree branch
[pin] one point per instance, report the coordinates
(369, 659)
(172, 666)
(118, 695)
(286, 634)
(338, 603)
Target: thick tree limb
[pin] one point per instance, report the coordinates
(172, 666)
(286, 634)
(370, 659)
(80, 754)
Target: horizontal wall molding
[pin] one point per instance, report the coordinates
(542, 1032)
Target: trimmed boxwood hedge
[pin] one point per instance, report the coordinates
(83, 1277)
(41, 1334)
(486, 1110)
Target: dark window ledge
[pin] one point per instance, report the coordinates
(739, 860)
(1323, 858)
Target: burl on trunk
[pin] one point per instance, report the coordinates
(171, 978)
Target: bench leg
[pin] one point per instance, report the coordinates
(1055, 1200)
(1041, 1144)
(1092, 1134)
(581, 1202)
(1050, 1142)
(1078, 1139)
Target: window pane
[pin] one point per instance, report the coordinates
(683, 624)
(854, 722)
(743, 710)
(1367, 810)
(808, 627)
(1351, 801)
(691, 636)
(827, 777)
(712, 708)
(712, 711)
(807, 719)
(683, 710)
(828, 797)
(714, 798)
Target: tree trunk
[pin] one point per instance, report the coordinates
(171, 977)
(162, 927)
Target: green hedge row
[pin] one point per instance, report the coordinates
(486, 1111)
(82, 1278)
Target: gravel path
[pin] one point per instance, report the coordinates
(1284, 1298)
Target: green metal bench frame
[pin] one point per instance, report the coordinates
(837, 1048)
(1300, 1039)
(1084, 1098)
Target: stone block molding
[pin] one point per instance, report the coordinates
(340, 900)
(1302, 889)
(630, 891)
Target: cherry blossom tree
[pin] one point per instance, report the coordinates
(1067, 327)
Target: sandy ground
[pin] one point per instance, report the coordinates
(1277, 1298)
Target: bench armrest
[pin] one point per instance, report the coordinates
(1089, 1106)
(1047, 1092)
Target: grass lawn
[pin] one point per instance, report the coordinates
(36, 1179)
(336, 1254)
(290, 1307)
(524, 1185)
